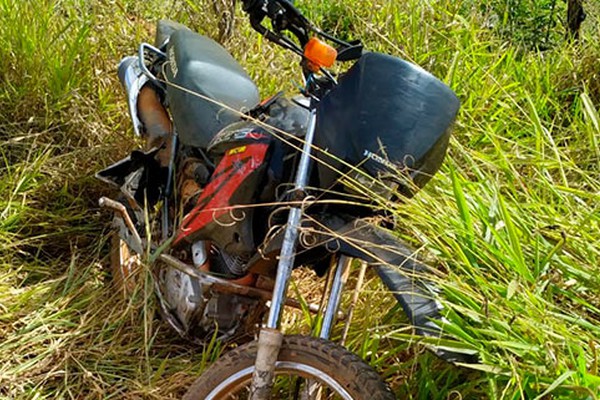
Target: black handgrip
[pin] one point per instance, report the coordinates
(293, 13)
(256, 23)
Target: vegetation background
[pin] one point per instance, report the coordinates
(513, 217)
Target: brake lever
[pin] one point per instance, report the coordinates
(296, 15)
(256, 23)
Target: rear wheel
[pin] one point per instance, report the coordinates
(303, 363)
(125, 265)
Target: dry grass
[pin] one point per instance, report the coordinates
(513, 216)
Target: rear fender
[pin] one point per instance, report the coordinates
(139, 176)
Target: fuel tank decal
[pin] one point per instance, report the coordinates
(234, 133)
(214, 201)
(237, 150)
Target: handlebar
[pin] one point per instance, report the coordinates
(285, 17)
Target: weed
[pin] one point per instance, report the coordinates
(512, 218)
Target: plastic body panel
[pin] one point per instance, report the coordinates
(133, 80)
(219, 214)
(202, 66)
(388, 117)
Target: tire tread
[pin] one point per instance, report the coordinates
(358, 377)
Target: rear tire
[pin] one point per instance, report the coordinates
(311, 359)
(125, 266)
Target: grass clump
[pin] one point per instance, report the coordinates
(512, 218)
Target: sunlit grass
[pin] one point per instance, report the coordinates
(513, 218)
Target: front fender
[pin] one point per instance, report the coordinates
(395, 263)
(409, 280)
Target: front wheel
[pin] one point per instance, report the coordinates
(303, 364)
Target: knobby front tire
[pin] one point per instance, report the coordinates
(342, 373)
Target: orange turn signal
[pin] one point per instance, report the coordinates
(319, 54)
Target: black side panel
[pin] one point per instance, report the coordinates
(202, 66)
(390, 118)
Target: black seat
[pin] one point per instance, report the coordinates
(198, 64)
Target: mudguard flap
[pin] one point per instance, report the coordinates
(394, 262)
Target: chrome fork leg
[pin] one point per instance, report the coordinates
(312, 389)
(339, 281)
(270, 338)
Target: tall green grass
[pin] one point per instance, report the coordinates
(512, 218)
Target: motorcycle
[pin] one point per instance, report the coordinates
(232, 194)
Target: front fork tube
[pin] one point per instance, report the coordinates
(339, 281)
(270, 337)
(342, 268)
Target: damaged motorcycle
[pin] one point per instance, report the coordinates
(232, 193)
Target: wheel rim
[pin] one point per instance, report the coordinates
(242, 379)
